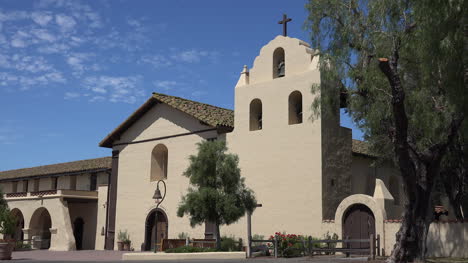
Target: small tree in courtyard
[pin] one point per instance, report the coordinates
(217, 193)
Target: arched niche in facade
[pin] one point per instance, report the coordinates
(159, 162)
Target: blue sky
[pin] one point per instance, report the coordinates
(71, 71)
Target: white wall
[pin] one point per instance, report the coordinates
(281, 162)
(444, 239)
(135, 190)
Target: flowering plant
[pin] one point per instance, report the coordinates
(289, 245)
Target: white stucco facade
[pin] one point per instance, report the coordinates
(303, 169)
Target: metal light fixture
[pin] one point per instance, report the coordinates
(158, 198)
(157, 194)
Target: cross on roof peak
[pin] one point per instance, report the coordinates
(284, 23)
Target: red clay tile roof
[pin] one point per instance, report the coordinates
(361, 147)
(82, 166)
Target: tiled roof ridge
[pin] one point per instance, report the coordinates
(80, 166)
(53, 164)
(199, 110)
(198, 102)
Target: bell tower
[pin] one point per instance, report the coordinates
(278, 144)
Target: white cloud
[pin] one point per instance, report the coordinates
(71, 95)
(53, 48)
(115, 89)
(194, 56)
(66, 23)
(157, 61)
(32, 64)
(43, 34)
(165, 84)
(41, 18)
(20, 39)
(79, 63)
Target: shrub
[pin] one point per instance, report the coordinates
(124, 237)
(289, 245)
(258, 237)
(189, 249)
(183, 235)
(230, 244)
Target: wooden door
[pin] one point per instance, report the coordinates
(359, 223)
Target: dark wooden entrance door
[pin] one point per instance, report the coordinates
(155, 233)
(78, 226)
(359, 223)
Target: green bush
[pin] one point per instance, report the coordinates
(183, 235)
(188, 249)
(21, 245)
(230, 244)
(123, 236)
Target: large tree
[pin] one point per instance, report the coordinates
(217, 192)
(399, 64)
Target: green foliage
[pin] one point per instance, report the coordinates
(20, 245)
(231, 244)
(217, 192)
(289, 245)
(352, 35)
(183, 235)
(124, 237)
(7, 220)
(401, 65)
(258, 237)
(189, 249)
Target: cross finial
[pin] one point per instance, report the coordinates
(284, 23)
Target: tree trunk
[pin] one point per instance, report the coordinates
(410, 243)
(218, 237)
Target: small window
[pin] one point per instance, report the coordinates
(279, 64)
(36, 185)
(159, 163)
(73, 182)
(256, 118)
(295, 108)
(14, 188)
(93, 183)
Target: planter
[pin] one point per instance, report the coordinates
(120, 245)
(126, 246)
(5, 250)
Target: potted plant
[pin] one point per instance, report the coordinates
(123, 243)
(127, 243)
(7, 229)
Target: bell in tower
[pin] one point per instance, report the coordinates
(281, 69)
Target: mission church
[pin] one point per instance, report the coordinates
(310, 176)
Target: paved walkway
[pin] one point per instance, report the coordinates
(116, 256)
(82, 255)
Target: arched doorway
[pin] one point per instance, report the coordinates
(358, 223)
(155, 233)
(18, 235)
(40, 225)
(78, 226)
